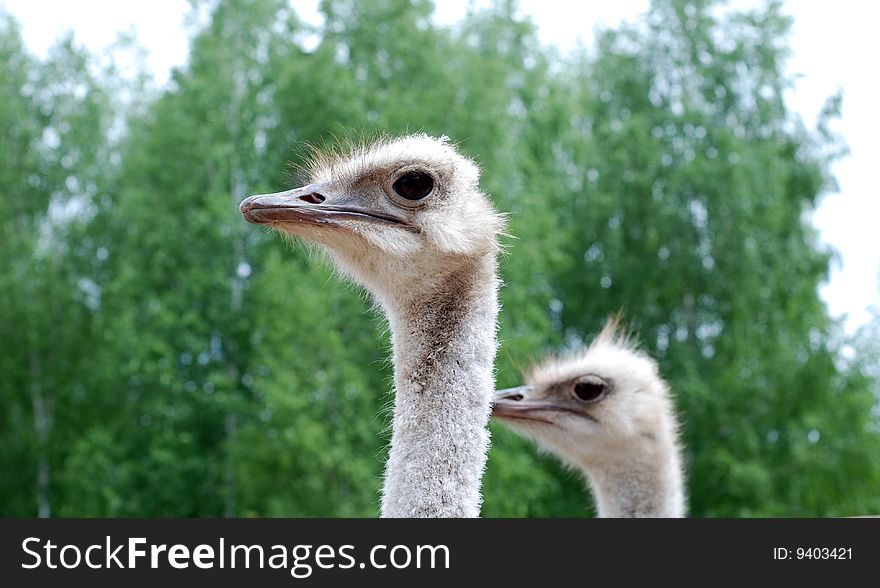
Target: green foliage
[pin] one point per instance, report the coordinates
(161, 357)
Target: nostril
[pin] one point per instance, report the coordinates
(313, 198)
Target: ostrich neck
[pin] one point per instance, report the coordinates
(646, 486)
(444, 339)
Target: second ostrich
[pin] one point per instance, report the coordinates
(606, 412)
(406, 219)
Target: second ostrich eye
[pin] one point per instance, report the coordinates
(413, 185)
(589, 391)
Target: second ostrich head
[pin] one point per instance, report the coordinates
(607, 412)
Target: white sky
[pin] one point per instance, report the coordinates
(835, 45)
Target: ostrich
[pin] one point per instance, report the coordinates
(606, 412)
(405, 218)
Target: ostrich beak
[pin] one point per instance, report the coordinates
(517, 394)
(315, 204)
(515, 403)
(528, 403)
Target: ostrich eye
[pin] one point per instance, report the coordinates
(413, 185)
(589, 391)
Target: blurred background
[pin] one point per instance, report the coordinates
(160, 357)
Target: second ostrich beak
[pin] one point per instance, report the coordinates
(517, 403)
(315, 204)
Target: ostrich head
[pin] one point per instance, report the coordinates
(596, 408)
(396, 215)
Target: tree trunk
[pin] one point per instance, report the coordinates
(42, 424)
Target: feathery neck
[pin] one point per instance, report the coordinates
(444, 339)
(643, 485)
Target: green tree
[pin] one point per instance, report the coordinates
(161, 357)
(175, 338)
(691, 219)
(53, 119)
